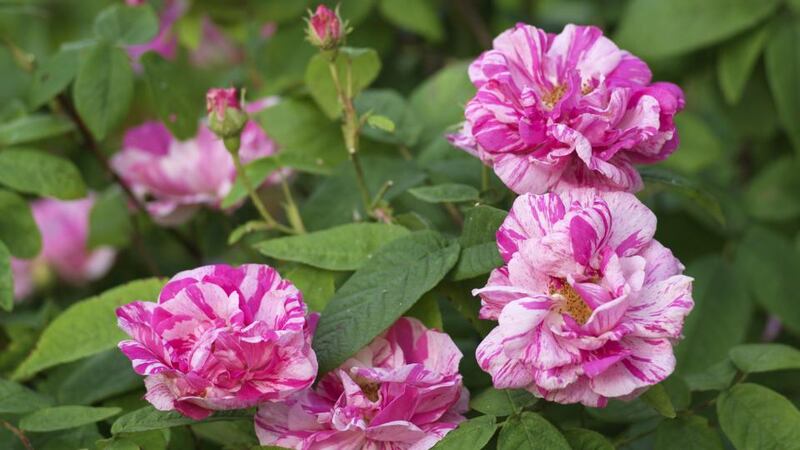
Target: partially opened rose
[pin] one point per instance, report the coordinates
(403, 391)
(588, 303)
(176, 177)
(220, 338)
(566, 108)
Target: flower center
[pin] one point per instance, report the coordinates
(551, 98)
(571, 303)
(368, 387)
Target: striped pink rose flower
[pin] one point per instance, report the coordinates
(403, 391)
(220, 338)
(174, 178)
(566, 108)
(588, 303)
(64, 226)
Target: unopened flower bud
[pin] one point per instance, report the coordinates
(225, 115)
(325, 28)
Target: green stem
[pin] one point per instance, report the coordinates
(350, 129)
(294, 212)
(271, 222)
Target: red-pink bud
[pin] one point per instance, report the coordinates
(135, 2)
(218, 99)
(325, 28)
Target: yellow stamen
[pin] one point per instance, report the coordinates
(369, 388)
(551, 98)
(571, 303)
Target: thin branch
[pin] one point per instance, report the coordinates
(19, 434)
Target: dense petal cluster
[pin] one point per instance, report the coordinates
(64, 227)
(403, 391)
(175, 177)
(220, 338)
(567, 108)
(588, 303)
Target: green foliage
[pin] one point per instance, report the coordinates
(103, 88)
(380, 292)
(737, 61)
(754, 417)
(360, 64)
(64, 417)
(659, 400)
(473, 433)
(149, 418)
(52, 77)
(33, 128)
(346, 247)
(179, 104)
(479, 252)
(6, 279)
(687, 432)
(418, 16)
(86, 328)
(40, 173)
(109, 221)
(126, 26)
(653, 28)
(17, 228)
(443, 193)
(530, 431)
(783, 68)
(501, 402)
(583, 439)
(752, 358)
(17, 399)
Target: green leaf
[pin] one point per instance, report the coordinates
(380, 292)
(86, 328)
(583, 439)
(18, 230)
(52, 77)
(447, 192)
(40, 173)
(618, 411)
(346, 247)
(125, 25)
(382, 123)
(257, 172)
(530, 431)
(754, 358)
(501, 402)
(64, 417)
(149, 418)
(769, 263)
(688, 432)
(756, 418)
(774, 193)
(700, 147)
(418, 16)
(246, 228)
(33, 128)
(97, 378)
(439, 101)
(427, 311)
(288, 123)
(657, 29)
(177, 101)
(392, 105)
(109, 220)
(783, 71)
(364, 64)
(18, 399)
(714, 378)
(336, 200)
(479, 254)
(720, 318)
(317, 285)
(104, 88)
(659, 400)
(737, 61)
(6, 279)
(473, 433)
(666, 179)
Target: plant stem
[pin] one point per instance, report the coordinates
(294, 212)
(350, 129)
(19, 434)
(271, 222)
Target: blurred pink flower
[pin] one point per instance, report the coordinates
(214, 48)
(220, 338)
(588, 303)
(324, 28)
(64, 226)
(165, 43)
(568, 108)
(174, 177)
(403, 391)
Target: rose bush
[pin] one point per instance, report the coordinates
(399, 225)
